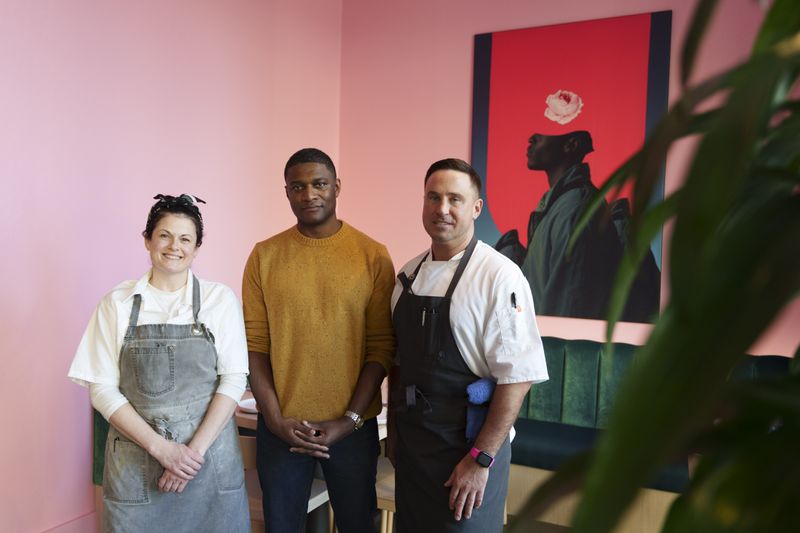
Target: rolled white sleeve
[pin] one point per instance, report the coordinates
(106, 398)
(96, 360)
(227, 325)
(97, 357)
(232, 385)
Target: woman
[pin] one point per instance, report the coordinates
(165, 360)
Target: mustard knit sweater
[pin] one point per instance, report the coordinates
(321, 309)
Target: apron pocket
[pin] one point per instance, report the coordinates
(226, 459)
(431, 332)
(154, 367)
(125, 473)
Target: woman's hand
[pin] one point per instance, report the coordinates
(179, 459)
(169, 482)
(175, 457)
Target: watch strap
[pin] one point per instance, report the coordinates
(357, 419)
(481, 457)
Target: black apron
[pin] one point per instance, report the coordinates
(432, 416)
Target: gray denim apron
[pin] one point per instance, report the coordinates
(431, 420)
(168, 372)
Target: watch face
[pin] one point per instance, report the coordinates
(357, 419)
(484, 459)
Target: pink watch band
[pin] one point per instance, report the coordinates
(481, 457)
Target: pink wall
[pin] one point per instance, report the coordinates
(407, 96)
(102, 105)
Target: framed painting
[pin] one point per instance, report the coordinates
(556, 109)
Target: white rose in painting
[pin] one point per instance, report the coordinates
(563, 106)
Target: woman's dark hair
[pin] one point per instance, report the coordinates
(185, 205)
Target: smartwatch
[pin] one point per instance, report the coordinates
(481, 457)
(357, 419)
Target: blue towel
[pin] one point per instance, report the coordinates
(478, 395)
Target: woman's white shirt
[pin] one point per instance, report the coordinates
(97, 358)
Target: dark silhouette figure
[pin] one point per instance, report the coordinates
(579, 284)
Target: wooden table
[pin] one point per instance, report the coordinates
(246, 420)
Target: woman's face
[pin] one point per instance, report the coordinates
(173, 245)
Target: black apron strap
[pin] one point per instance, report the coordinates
(462, 264)
(408, 281)
(446, 332)
(405, 282)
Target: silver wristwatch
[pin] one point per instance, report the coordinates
(357, 419)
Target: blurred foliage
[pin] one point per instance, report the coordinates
(734, 262)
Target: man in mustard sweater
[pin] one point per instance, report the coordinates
(319, 334)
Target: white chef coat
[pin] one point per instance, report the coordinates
(491, 313)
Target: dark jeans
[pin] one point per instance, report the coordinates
(286, 477)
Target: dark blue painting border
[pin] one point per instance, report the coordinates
(657, 102)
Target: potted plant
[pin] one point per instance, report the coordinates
(734, 265)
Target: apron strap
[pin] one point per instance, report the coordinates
(405, 282)
(462, 264)
(408, 281)
(195, 298)
(137, 303)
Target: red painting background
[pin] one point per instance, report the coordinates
(604, 62)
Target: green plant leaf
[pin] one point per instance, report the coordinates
(681, 370)
(651, 163)
(648, 226)
(700, 20)
(777, 396)
(782, 21)
(678, 122)
(702, 122)
(794, 366)
(785, 176)
(719, 170)
(742, 487)
(792, 106)
(734, 257)
(659, 142)
(782, 144)
(635, 439)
